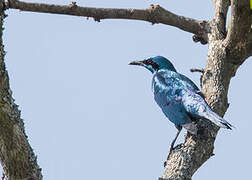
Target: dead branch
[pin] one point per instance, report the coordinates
(154, 14)
(220, 16)
(240, 23)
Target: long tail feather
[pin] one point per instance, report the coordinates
(216, 119)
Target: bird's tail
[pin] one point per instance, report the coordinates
(216, 119)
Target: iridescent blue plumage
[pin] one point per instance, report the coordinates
(179, 98)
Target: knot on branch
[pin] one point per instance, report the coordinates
(154, 13)
(201, 36)
(131, 12)
(73, 5)
(97, 19)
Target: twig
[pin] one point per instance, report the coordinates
(197, 70)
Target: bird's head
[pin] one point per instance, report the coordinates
(155, 63)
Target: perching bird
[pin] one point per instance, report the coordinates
(179, 98)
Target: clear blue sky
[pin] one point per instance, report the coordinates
(89, 115)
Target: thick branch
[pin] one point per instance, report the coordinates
(154, 14)
(220, 16)
(240, 23)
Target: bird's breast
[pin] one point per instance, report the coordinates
(158, 85)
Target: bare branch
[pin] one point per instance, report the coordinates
(220, 16)
(154, 14)
(240, 23)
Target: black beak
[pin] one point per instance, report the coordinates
(139, 63)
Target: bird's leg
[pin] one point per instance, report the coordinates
(172, 144)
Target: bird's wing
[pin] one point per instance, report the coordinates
(192, 100)
(188, 81)
(191, 85)
(197, 107)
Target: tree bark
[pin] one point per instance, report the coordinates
(228, 49)
(16, 155)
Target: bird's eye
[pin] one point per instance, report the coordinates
(148, 61)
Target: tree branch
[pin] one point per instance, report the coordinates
(240, 23)
(220, 16)
(154, 14)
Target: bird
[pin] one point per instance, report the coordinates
(179, 98)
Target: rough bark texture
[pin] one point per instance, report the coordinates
(16, 155)
(228, 49)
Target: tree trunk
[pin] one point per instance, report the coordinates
(16, 155)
